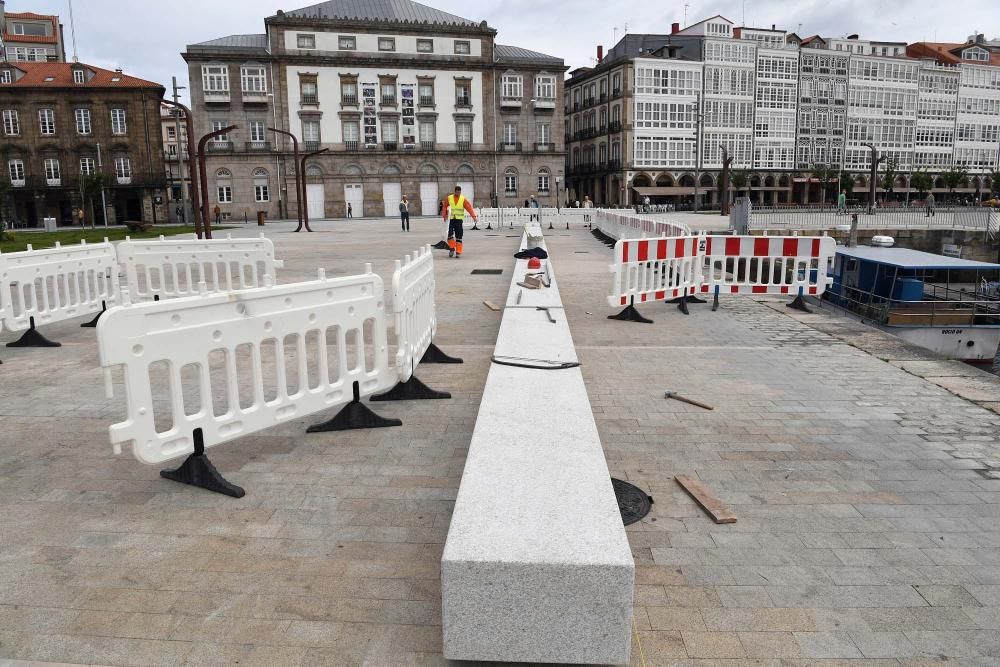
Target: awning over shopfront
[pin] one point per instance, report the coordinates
(665, 190)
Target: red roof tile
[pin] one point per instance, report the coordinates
(35, 75)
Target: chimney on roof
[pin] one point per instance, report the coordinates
(600, 53)
(118, 69)
(773, 26)
(675, 28)
(980, 38)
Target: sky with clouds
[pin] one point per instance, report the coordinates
(145, 38)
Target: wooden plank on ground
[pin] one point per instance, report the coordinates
(492, 306)
(704, 497)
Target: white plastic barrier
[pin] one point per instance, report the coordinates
(56, 284)
(239, 362)
(413, 309)
(627, 225)
(767, 264)
(655, 269)
(176, 267)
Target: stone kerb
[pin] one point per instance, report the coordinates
(537, 566)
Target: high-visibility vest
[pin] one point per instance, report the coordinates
(457, 207)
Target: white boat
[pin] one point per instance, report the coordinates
(931, 300)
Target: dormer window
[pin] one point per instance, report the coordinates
(50, 79)
(981, 55)
(6, 76)
(78, 76)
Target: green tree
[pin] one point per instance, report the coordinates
(995, 182)
(740, 179)
(5, 199)
(824, 174)
(847, 183)
(90, 191)
(921, 181)
(954, 178)
(889, 172)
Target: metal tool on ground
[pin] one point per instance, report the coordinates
(708, 502)
(547, 312)
(684, 399)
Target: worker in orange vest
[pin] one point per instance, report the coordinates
(454, 213)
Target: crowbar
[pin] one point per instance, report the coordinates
(684, 399)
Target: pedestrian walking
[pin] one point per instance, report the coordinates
(218, 214)
(929, 203)
(350, 211)
(404, 214)
(587, 203)
(842, 203)
(533, 206)
(455, 209)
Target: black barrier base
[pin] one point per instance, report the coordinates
(602, 237)
(682, 306)
(799, 303)
(31, 338)
(434, 355)
(354, 416)
(198, 471)
(93, 323)
(630, 314)
(715, 302)
(411, 390)
(441, 245)
(690, 298)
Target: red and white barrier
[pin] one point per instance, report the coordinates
(216, 367)
(56, 284)
(171, 268)
(413, 309)
(795, 265)
(655, 269)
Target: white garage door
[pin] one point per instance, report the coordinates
(392, 193)
(354, 194)
(315, 201)
(429, 199)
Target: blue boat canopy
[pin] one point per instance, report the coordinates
(905, 258)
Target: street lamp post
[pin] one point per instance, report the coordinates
(104, 201)
(204, 178)
(558, 179)
(194, 189)
(698, 117)
(872, 176)
(305, 200)
(299, 181)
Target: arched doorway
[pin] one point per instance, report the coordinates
(430, 195)
(354, 191)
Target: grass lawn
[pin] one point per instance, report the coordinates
(38, 240)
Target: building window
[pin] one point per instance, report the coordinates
(171, 133)
(390, 132)
(543, 180)
(30, 29)
(261, 194)
(310, 131)
(216, 126)
(512, 86)
(16, 170)
(425, 46)
(427, 133)
(11, 125)
(118, 125)
(349, 92)
(258, 133)
(388, 93)
(543, 131)
(215, 79)
(463, 95)
(123, 168)
(509, 134)
(78, 76)
(309, 92)
(425, 93)
(82, 121)
(305, 41)
(347, 43)
(352, 133)
(254, 80)
(52, 172)
(5, 76)
(224, 186)
(87, 166)
(545, 87)
(386, 43)
(463, 134)
(510, 181)
(47, 121)
(462, 47)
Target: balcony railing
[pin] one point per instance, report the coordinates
(510, 101)
(310, 146)
(53, 182)
(17, 182)
(258, 147)
(349, 100)
(216, 96)
(388, 100)
(617, 92)
(588, 101)
(310, 99)
(614, 165)
(463, 101)
(509, 146)
(254, 97)
(352, 146)
(545, 103)
(124, 180)
(426, 145)
(615, 126)
(544, 147)
(389, 146)
(576, 106)
(603, 98)
(464, 145)
(216, 146)
(426, 101)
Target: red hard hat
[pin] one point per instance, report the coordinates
(534, 263)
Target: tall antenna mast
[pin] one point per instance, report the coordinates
(72, 31)
(685, 14)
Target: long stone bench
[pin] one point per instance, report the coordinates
(537, 566)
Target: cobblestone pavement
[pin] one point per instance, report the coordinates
(867, 529)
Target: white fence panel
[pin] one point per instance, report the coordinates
(235, 363)
(413, 309)
(56, 284)
(627, 225)
(175, 268)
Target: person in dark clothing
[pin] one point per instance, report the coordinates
(404, 214)
(350, 210)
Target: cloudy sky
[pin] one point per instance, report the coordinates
(145, 38)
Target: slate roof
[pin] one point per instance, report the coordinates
(515, 54)
(252, 42)
(35, 75)
(387, 11)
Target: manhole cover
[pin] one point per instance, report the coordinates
(633, 502)
(487, 272)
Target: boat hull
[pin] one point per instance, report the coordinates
(966, 343)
